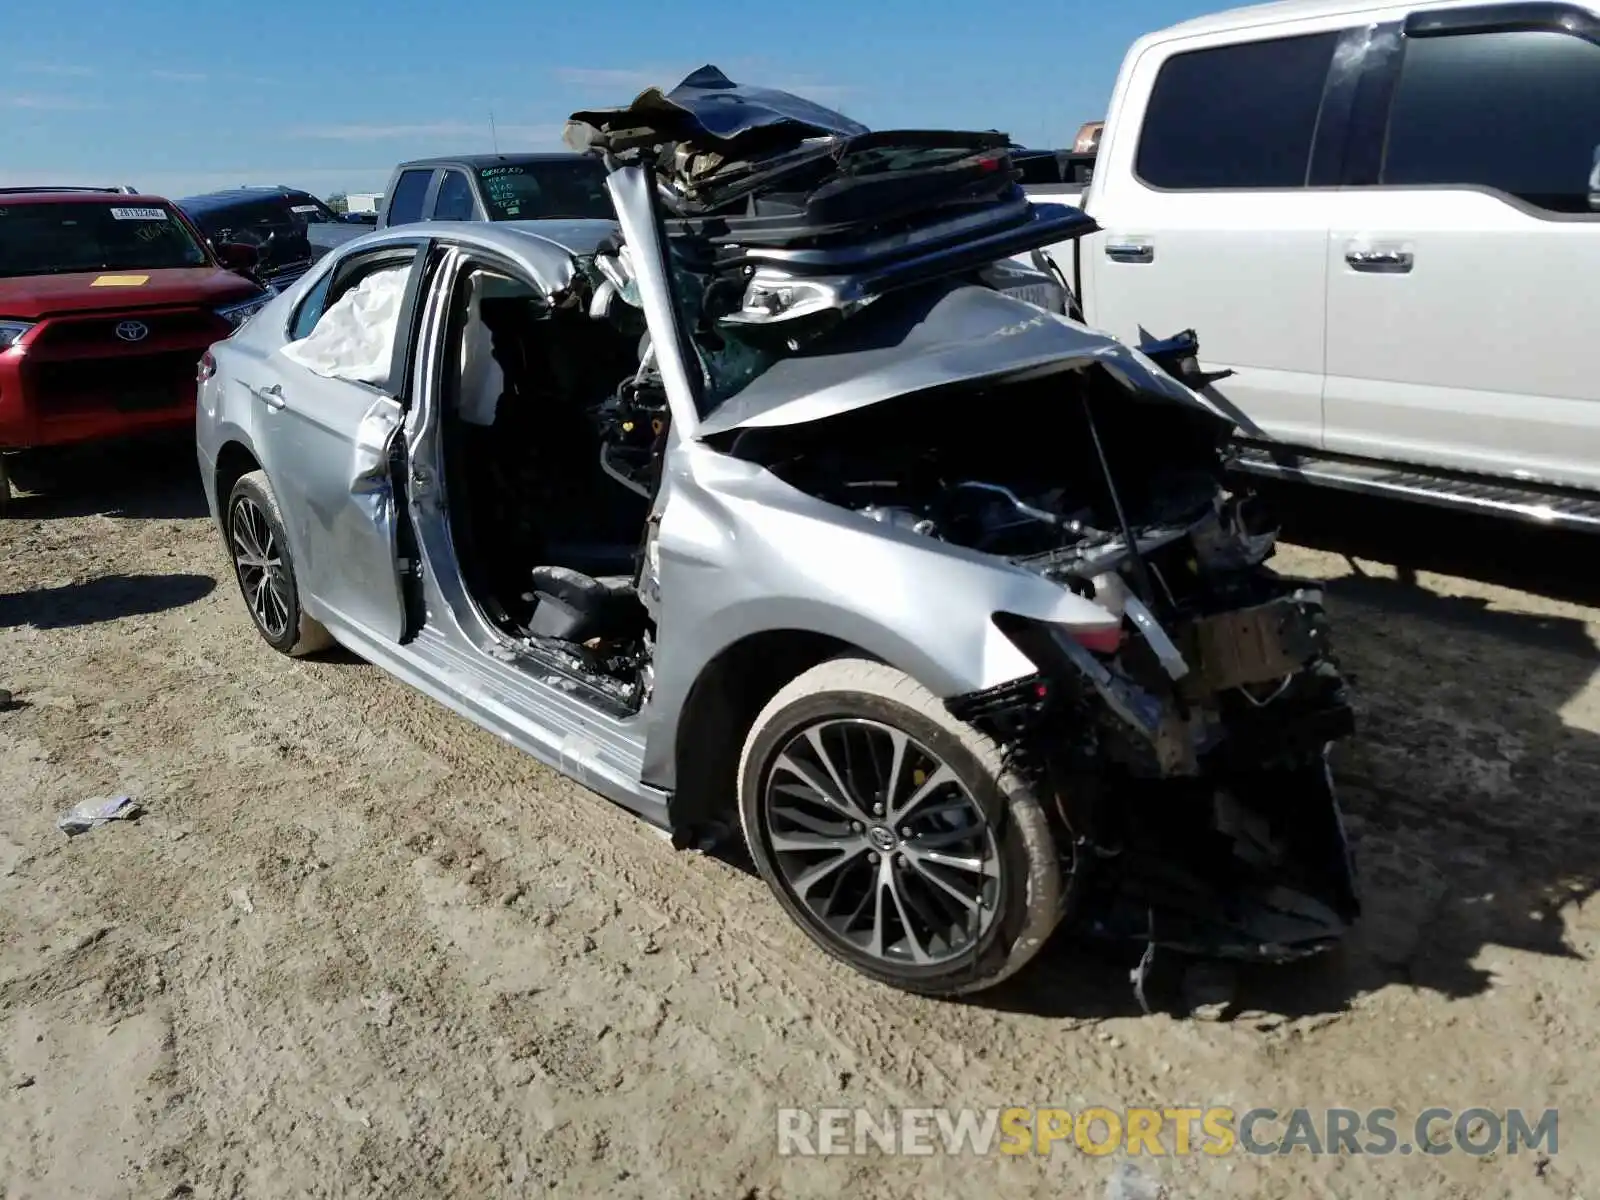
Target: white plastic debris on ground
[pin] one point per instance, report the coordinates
(354, 339)
(88, 814)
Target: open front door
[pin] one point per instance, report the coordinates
(633, 194)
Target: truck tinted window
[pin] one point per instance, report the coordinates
(453, 202)
(1237, 116)
(405, 206)
(1519, 112)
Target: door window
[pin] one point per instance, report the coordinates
(354, 337)
(454, 201)
(1518, 112)
(310, 310)
(1241, 116)
(405, 206)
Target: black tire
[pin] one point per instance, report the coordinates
(252, 524)
(875, 708)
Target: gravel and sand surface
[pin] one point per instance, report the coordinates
(356, 947)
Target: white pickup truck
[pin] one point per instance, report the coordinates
(1384, 219)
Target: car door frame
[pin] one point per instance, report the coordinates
(441, 585)
(376, 471)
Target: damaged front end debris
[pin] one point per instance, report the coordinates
(1186, 753)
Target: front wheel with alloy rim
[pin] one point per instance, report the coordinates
(265, 570)
(894, 834)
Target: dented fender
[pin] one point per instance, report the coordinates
(729, 528)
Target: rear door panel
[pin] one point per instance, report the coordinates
(327, 445)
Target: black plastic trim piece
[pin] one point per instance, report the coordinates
(1528, 16)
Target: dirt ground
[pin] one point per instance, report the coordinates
(357, 947)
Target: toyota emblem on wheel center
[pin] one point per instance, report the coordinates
(133, 331)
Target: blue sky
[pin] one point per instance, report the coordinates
(175, 97)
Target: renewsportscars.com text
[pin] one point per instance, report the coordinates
(1159, 1132)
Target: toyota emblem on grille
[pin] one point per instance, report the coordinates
(133, 331)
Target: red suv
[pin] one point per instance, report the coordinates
(107, 302)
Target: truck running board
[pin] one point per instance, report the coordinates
(1551, 506)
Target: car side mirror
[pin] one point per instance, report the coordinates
(237, 256)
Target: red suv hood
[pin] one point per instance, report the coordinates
(36, 296)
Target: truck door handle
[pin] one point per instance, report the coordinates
(1393, 262)
(1130, 252)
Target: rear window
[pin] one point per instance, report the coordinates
(311, 210)
(56, 239)
(269, 223)
(215, 219)
(1239, 116)
(534, 190)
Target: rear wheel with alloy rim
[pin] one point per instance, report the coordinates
(265, 570)
(894, 834)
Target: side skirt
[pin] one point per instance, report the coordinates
(536, 715)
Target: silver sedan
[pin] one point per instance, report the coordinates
(944, 612)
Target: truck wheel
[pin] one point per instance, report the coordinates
(894, 834)
(265, 569)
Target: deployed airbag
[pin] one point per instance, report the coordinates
(354, 339)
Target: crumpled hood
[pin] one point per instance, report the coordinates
(706, 104)
(34, 296)
(935, 337)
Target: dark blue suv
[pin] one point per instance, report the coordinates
(289, 228)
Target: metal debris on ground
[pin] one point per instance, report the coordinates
(1210, 990)
(88, 814)
(1128, 1182)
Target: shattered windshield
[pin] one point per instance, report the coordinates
(56, 239)
(546, 189)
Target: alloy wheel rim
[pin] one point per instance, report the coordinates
(881, 843)
(260, 566)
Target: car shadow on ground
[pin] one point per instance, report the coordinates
(107, 598)
(1472, 785)
(152, 478)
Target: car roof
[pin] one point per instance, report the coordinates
(477, 162)
(1280, 11)
(575, 235)
(241, 195)
(79, 196)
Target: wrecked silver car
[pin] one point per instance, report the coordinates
(776, 506)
